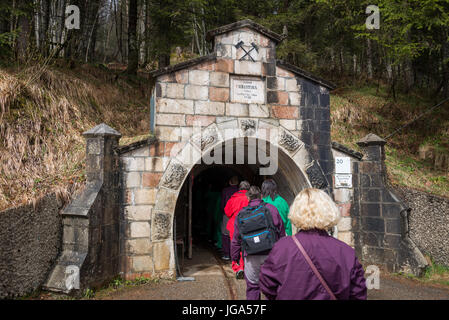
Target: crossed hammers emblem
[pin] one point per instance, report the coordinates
(247, 53)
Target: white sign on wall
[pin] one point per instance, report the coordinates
(247, 90)
(343, 180)
(342, 165)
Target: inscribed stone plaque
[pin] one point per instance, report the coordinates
(248, 90)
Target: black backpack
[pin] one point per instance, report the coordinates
(256, 229)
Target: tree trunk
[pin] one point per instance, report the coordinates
(133, 50)
(354, 65)
(147, 31)
(45, 22)
(332, 59)
(342, 62)
(408, 75)
(164, 60)
(90, 50)
(22, 40)
(24, 32)
(36, 23)
(369, 57)
(141, 32)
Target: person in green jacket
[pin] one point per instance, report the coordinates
(213, 199)
(270, 195)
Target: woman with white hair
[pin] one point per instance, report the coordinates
(312, 264)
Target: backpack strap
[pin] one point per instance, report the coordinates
(269, 217)
(314, 269)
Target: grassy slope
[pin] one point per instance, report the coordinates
(43, 113)
(357, 111)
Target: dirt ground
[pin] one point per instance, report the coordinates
(215, 280)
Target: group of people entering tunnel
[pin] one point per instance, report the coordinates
(252, 227)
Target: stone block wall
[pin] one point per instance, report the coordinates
(380, 219)
(314, 126)
(429, 223)
(199, 92)
(346, 198)
(374, 220)
(30, 241)
(142, 169)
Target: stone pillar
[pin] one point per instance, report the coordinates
(381, 233)
(101, 162)
(102, 168)
(373, 147)
(90, 246)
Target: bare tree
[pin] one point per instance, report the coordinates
(133, 50)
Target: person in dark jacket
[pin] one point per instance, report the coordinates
(286, 275)
(237, 201)
(253, 262)
(270, 195)
(225, 196)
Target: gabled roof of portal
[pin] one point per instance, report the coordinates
(238, 25)
(300, 72)
(242, 24)
(280, 63)
(183, 65)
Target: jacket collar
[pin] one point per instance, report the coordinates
(254, 202)
(315, 231)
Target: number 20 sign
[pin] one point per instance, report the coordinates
(342, 165)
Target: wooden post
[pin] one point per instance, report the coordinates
(189, 223)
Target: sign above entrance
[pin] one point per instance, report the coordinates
(248, 90)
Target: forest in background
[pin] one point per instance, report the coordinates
(409, 51)
(55, 82)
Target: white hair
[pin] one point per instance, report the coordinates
(314, 209)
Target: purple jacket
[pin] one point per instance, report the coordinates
(236, 242)
(225, 196)
(285, 274)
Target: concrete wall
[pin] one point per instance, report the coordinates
(30, 241)
(429, 223)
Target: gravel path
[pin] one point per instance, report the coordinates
(215, 280)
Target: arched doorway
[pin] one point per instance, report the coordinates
(295, 169)
(195, 220)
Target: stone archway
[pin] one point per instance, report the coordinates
(296, 170)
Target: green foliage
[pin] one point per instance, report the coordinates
(359, 110)
(89, 293)
(409, 28)
(119, 282)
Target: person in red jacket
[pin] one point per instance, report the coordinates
(226, 194)
(237, 201)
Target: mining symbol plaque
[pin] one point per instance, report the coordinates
(247, 90)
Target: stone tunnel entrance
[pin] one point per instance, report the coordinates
(124, 222)
(197, 216)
